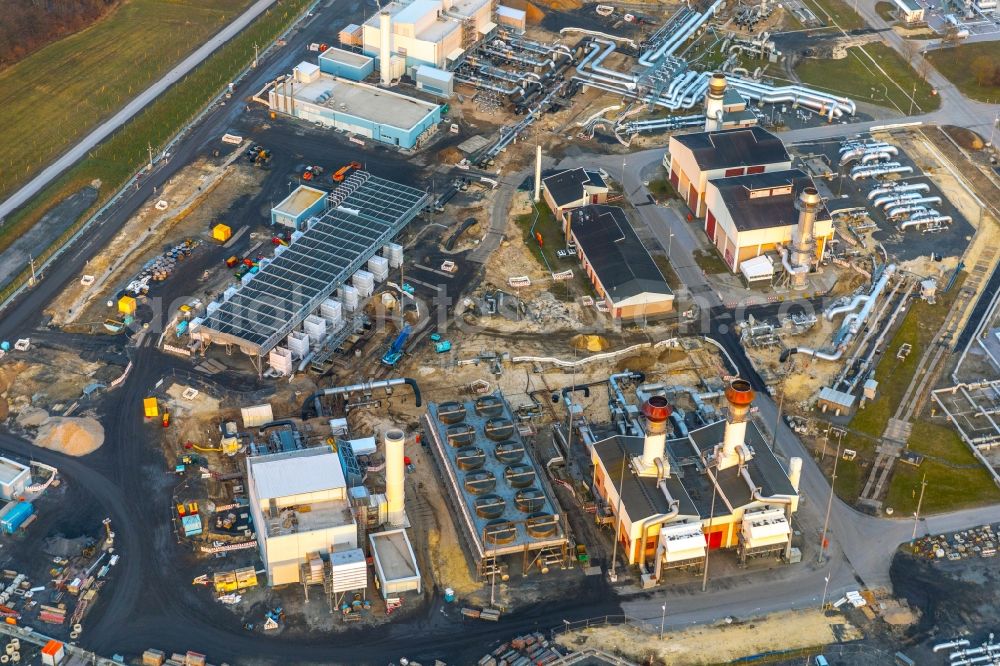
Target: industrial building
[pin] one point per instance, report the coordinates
(669, 497)
(694, 159)
(299, 505)
(573, 188)
(301, 204)
(502, 500)
(618, 264)
(361, 109)
(748, 216)
(396, 568)
(363, 214)
(427, 32)
(725, 107)
(14, 479)
(346, 64)
(910, 11)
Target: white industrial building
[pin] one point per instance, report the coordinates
(14, 478)
(300, 506)
(427, 32)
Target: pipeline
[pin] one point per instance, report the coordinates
(808, 97)
(853, 152)
(935, 221)
(853, 323)
(908, 206)
(894, 198)
(365, 387)
(791, 270)
(899, 188)
(595, 33)
(883, 169)
(878, 156)
(674, 41)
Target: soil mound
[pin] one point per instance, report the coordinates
(70, 435)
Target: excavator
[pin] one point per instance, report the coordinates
(340, 174)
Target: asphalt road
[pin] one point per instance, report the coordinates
(105, 129)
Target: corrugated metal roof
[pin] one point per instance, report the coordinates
(428, 73)
(297, 473)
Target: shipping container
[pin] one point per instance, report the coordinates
(14, 515)
(221, 233)
(126, 305)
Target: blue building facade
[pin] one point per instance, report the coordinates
(346, 64)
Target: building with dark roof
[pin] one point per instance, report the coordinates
(748, 216)
(617, 263)
(573, 188)
(694, 159)
(717, 486)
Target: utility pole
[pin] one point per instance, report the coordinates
(711, 516)
(618, 519)
(916, 516)
(149, 147)
(829, 504)
(31, 262)
(256, 54)
(826, 587)
(663, 618)
(912, 98)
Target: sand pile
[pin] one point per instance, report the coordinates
(32, 417)
(70, 435)
(591, 343)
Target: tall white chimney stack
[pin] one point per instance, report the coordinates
(394, 477)
(385, 47)
(715, 102)
(795, 472)
(803, 241)
(739, 395)
(538, 173)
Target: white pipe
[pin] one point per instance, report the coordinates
(806, 96)
(791, 270)
(900, 188)
(385, 47)
(859, 172)
(755, 490)
(929, 221)
(874, 157)
(899, 210)
(849, 307)
(894, 197)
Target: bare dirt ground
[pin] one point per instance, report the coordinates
(43, 377)
(195, 197)
(716, 644)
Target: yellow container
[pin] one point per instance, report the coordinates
(150, 408)
(221, 233)
(126, 305)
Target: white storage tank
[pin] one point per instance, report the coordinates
(280, 360)
(349, 296)
(364, 282)
(298, 342)
(315, 328)
(379, 267)
(394, 253)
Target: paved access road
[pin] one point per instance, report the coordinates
(105, 129)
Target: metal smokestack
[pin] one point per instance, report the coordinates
(803, 242)
(714, 102)
(385, 46)
(394, 477)
(538, 173)
(739, 395)
(657, 411)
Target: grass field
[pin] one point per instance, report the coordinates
(955, 65)
(57, 94)
(917, 329)
(887, 11)
(710, 262)
(835, 11)
(857, 77)
(115, 160)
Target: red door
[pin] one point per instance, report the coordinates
(674, 178)
(715, 539)
(693, 199)
(710, 226)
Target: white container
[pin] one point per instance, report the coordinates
(212, 307)
(295, 236)
(315, 328)
(298, 343)
(349, 295)
(246, 278)
(364, 282)
(228, 293)
(280, 360)
(333, 312)
(348, 570)
(279, 249)
(394, 253)
(379, 267)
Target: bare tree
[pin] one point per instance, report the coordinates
(983, 69)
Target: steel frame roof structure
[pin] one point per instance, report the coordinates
(364, 213)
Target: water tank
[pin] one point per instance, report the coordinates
(490, 506)
(480, 483)
(500, 531)
(489, 405)
(470, 458)
(519, 475)
(529, 500)
(509, 451)
(498, 428)
(460, 434)
(451, 412)
(542, 525)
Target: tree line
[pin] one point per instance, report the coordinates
(28, 25)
